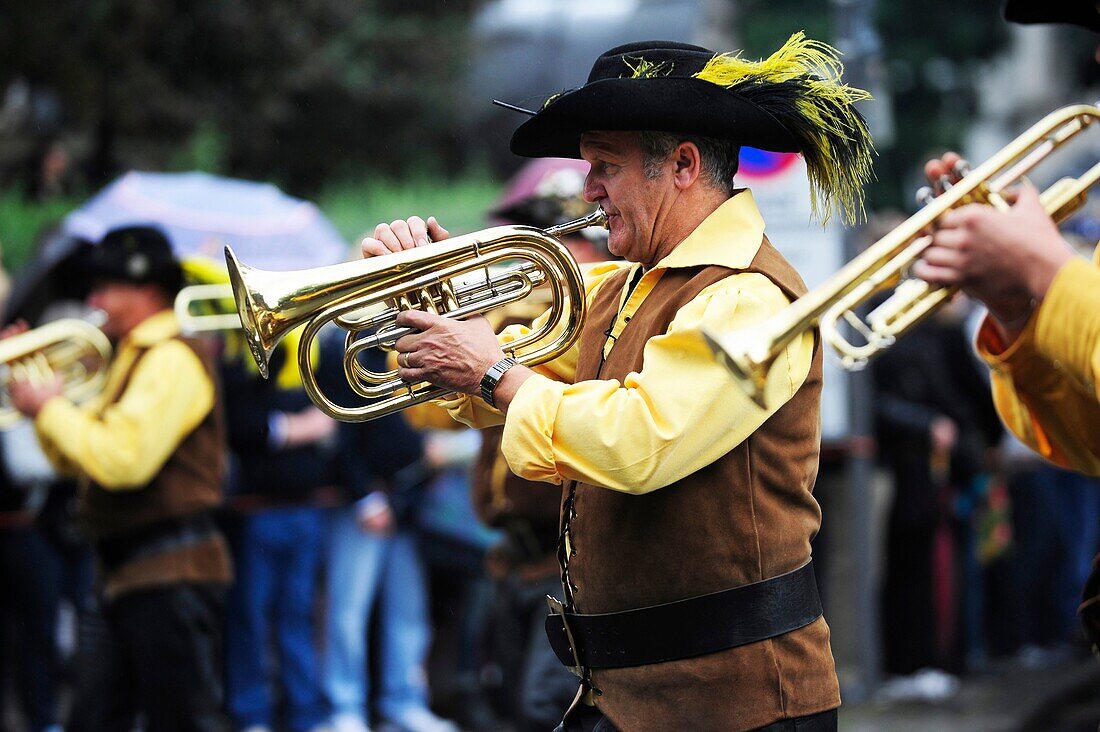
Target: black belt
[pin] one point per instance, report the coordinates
(685, 628)
(159, 538)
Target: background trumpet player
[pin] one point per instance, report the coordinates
(1041, 337)
(666, 497)
(149, 455)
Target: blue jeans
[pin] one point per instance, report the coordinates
(363, 568)
(277, 563)
(1055, 515)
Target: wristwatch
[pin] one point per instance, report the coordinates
(493, 376)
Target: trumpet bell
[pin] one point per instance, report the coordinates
(253, 314)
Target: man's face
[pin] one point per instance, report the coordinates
(633, 202)
(119, 301)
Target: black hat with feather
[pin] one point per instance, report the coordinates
(792, 101)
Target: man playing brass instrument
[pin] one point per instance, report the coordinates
(677, 488)
(149, 454)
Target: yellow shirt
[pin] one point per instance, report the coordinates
(1044, 383)
(124, 444)
(682, 411)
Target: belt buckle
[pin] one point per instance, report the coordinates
(557, 608)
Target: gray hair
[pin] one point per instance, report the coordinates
(718, 158)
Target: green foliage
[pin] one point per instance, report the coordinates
(23, 222)
(354, 207)
(207, 150)
(289, 90)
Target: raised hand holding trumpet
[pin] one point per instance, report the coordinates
(1004, 258)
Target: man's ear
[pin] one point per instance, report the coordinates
(687, 165)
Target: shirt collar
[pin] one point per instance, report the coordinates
(729, 237)
(155, 329)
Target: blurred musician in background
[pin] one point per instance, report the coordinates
(149, 455)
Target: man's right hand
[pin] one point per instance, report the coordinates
(399, 235)
(1005, 259)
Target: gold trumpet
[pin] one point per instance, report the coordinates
(74, 349)
(206, 309)
(749, 353)
(456, 277)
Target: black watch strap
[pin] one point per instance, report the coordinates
(492, 377)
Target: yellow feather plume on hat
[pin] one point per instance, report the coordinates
(799, 85)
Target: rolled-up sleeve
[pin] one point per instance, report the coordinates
(681, 412)
(126, 445)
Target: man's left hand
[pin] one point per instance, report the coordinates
(29, 398)
(453, 354)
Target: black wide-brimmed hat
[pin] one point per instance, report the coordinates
(792, 101)
(1085, 13)
(138, 255)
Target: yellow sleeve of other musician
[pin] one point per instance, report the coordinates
(1044, 384)
(124, 445)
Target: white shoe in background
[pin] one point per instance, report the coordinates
(420, 719)
(349, 722)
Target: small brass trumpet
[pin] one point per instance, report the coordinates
(206, 309)
(457, 277)
(749, 353)
(74, 349)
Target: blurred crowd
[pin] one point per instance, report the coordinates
(391, 574)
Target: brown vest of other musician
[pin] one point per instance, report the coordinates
(189, 484)
(746, 517)
(526, 510)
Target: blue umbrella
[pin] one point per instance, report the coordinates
(201, 213)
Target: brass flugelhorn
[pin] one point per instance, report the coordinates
(750, 352)
(456, 277)
(72, 348)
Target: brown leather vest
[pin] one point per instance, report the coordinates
(526, 510)
(189, 483)
(746, 517)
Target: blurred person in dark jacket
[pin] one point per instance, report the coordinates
(536, 688)
(934, 425)
(149, 454)
(279, 441)
(544, 193)
(45, 560)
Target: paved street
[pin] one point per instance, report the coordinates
(1006, 698)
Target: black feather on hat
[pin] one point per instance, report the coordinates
(792, 101)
